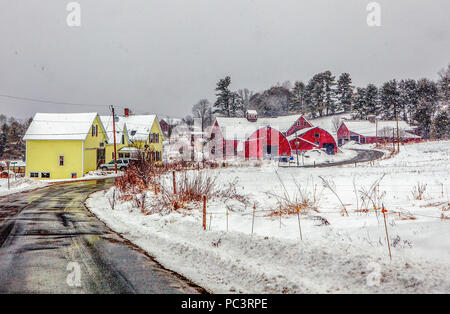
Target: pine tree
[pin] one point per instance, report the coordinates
(372, 101)
(344, 92)
(441, 126)
(444, 85)
(428, 98)
(329, 92)
(390, 100)
(360, 104)
(298, 98)
(227, 102)
(407, 98)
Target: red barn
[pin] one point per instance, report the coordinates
(313, 137)
(252, 137)
(266, 143)
(366, 132)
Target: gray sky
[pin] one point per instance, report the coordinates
(162, 56)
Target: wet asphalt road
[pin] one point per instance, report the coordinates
(47, 234)
(363, 156)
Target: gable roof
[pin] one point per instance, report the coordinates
(369, 129)
(241, 128)
(61, 126)
(138, 126)
(109, 127)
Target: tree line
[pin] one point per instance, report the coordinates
(423, 103)
(12, 132)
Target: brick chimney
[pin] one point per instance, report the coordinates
(126, 112)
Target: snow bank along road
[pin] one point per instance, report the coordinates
(50, 243)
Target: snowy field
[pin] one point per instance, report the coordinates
(347, 255)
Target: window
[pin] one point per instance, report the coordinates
(156, 137)
(45, 175)
(123, 139)
(74, 175)
(317, 143)
(34, 175)
(102, 144)
(94, 130)
(305, 123)
(61, 160)
(316, 135)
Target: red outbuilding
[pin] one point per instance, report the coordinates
(313, 137)
(266, 143)
(367, 132)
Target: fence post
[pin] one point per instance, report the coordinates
(384, 211)
(227, 219)
(204, 212)
(280, 216)
(299, 226)
(253, 218)
(174, 183)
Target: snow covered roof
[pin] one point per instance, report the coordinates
(241, 128)
(60, 126)
(299, 133)
(367, 128)
(138, 126)
(109, 127)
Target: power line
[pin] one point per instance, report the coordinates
(53, 102)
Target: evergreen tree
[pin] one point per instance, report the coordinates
(344, 92)
(390, 100)
(372, 101)
(428, 97)
(329, 92)
(298, 98)
(360, 104)
(407, 98)
(444, 85)
(227, 103)
(441, 126)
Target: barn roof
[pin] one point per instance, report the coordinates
(301, 132)
(60, 126)
(241, 128)
(369, 129)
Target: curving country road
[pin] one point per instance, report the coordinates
(50, 243)
(364, 155)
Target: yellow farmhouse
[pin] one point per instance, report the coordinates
(64, 146)
(138, 132)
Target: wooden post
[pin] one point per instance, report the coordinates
(227, 219)
(7, 164)
(210, 220)
(384, 211)
(204, 212)
(393, 139)
(299, 226)
(174, 183)
(253, 218)
(280, 216)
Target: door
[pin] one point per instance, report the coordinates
(101, 153)
(329, 147)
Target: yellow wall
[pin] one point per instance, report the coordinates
(152, 146)
(119, 145)
(43, 156)
(90, 147)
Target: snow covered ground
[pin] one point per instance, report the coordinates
(19, 185)
(348, 255)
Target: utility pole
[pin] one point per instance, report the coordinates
(393, 139)
(114, 135)
(7, 163)
(398, 134)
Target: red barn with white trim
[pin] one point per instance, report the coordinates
(367, 132)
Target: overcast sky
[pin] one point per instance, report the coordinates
(162, 56)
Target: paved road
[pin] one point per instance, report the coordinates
(364, 155)
(47, 234)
